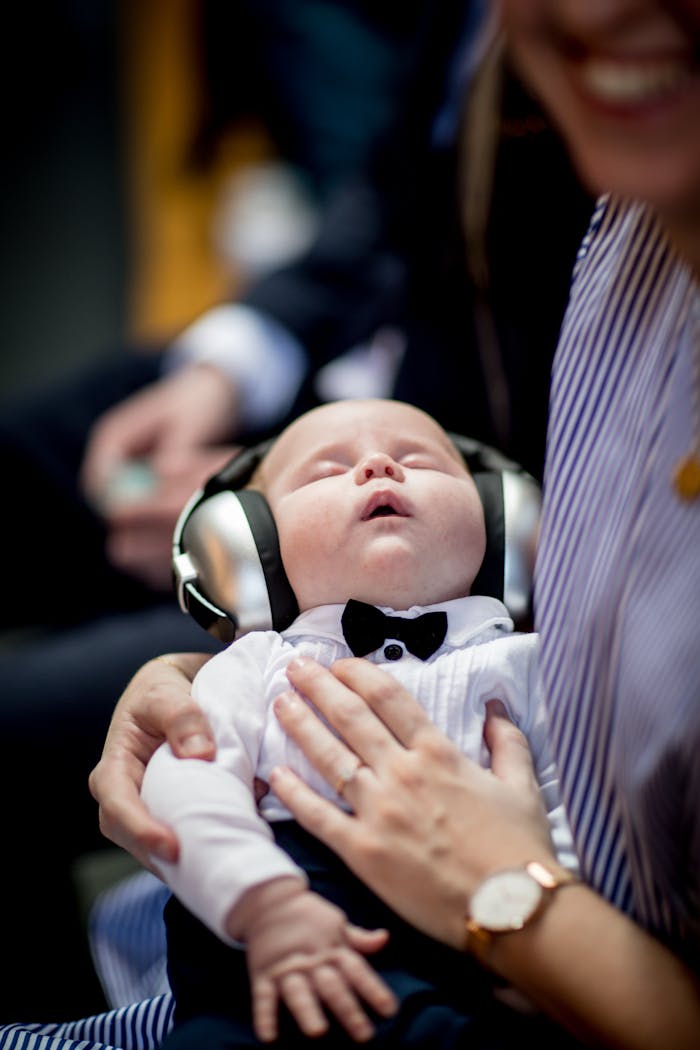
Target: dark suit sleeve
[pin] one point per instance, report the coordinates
(346, 284)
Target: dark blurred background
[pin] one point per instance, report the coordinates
(63, 222)
(132, 131)
(117, 159)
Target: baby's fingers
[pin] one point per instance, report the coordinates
(365, 941)
(332, 986)
(360, 976)
(265, 1006)
(302, 1002)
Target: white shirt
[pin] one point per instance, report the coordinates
(226, 844)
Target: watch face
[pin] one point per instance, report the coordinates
(506, 900)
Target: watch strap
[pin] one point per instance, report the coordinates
(478, 938)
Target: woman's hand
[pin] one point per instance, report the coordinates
(155, 706)
(424, 815)
(428, 825)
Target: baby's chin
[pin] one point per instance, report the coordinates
(400, 599)
(399, 581)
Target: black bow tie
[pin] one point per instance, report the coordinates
(366, 628)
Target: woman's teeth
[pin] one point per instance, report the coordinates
(627, 84)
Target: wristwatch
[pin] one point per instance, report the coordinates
(509, 900)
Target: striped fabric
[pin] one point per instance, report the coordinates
(142, 1026)
(127, 939)
(618, 575)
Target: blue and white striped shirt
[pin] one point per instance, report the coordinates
(618, 574)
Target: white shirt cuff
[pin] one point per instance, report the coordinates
(265, 362)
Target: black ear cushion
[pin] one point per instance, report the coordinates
(239, 470)
(490, 578)
(214, 620)
(488, 466)
(283, 602)
(484, 458)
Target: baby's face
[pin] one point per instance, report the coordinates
(373, 502)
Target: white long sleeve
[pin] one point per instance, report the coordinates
(225, 845)
(265, 361)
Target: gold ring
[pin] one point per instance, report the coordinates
(345, 778)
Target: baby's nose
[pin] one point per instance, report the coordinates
(378, 465)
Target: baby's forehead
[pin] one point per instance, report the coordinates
(344, 421)
(350, 422)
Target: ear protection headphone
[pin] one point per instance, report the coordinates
(228, 569)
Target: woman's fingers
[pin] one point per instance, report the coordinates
(511, 759)
(367, 706)
(155, 704)
(347, 712)
(125, 820)
(331, 757)
(393, 705)
(318, 815)
(164, 707)
(340, 767)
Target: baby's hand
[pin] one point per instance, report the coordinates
(302, 951)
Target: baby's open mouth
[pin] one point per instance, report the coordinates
(384, 505)
(382, 512)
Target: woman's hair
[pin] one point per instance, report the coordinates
(479, 139)
(479, 142)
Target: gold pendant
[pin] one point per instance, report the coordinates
(686, 477)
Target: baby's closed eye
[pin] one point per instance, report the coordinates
(327, 468)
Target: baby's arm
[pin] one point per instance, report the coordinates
(225, 845)
(303, 952)
(230, 873)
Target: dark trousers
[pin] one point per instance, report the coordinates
(85, 630)
(446, 999)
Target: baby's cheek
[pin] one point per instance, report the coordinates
(305, 542)
(294, 548)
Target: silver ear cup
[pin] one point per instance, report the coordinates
(522, 506)
(214, 543)
(227, 565)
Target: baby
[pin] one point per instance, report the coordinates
(376, 514)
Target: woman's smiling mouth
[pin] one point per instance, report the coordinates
(631, 83)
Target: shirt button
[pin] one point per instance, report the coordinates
(393, 651)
